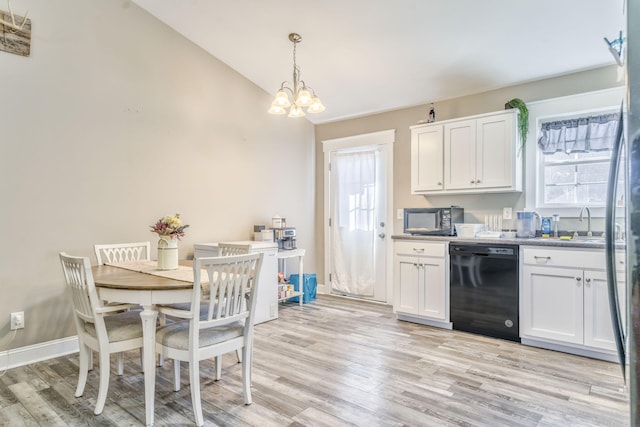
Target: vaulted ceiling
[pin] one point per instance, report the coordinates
(368, 56)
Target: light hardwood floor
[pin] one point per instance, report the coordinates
(340, 362)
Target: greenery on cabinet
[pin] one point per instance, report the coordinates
(523, 118)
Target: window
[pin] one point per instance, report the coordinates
(587, 104)
(574, 157)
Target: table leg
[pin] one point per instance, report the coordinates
(149, 316)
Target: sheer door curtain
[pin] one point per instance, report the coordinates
(354, 231)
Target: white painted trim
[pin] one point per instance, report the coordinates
(385, 138)
(561, 106)
(38, 352)
(365, 139)
(424, 321)
(594, 354)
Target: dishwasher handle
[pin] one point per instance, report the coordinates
(490, 251)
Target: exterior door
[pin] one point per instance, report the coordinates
(358, 197)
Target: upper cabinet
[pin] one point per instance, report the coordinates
(473, 154)
(426, 159)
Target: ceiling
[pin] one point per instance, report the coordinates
(368, 56)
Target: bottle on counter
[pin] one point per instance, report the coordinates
(546, 227)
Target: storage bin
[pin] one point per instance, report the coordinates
(468, 230)
(309, 287)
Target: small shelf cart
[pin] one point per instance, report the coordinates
(282, 256)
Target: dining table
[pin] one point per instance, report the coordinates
(140, 282)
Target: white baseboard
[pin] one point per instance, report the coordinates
(421, 320)
(38, 352)
(608, 356)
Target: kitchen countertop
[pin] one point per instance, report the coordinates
(595, 243)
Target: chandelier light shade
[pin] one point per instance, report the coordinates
(296, 95)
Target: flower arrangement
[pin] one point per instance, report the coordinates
(169, 225)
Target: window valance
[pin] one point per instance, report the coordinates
(584, 134)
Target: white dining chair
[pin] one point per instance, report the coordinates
(230, 249)
(226, 326)
(224, 249)
(122, 252)
(105, 329)
(227, 249)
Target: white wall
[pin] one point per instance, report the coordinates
(114, 121)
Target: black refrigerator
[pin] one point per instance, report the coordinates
(626, 163)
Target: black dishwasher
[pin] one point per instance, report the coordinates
(484, 289)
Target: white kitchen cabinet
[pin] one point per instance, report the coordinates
(553, 304)
(598, 330)
(478, 153)
(426, 159)
(422, 283)
(564, 302)
(460, 155)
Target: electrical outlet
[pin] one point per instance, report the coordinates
(507, 213)
(17, 320)
(399, 214)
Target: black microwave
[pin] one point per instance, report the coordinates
(432, 221)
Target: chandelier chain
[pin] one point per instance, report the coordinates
(295, 69)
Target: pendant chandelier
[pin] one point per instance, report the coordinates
(296, 95)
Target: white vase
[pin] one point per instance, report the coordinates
(167, 253)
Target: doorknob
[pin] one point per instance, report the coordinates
(382, 224)
(381, 235)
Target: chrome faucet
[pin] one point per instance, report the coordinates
(589, 233)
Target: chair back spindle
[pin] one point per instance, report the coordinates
(122, 252)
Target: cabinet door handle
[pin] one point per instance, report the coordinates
(439, 183)
(477, 181)
(536, 257)
(588, 281)
(579, 279)
(418, 250)
(473, 182)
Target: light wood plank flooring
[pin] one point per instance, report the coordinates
(340, 362)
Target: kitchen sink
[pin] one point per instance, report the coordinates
(590, 239)
(577, 240)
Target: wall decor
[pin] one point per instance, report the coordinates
(15, 33)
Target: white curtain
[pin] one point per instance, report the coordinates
(354, 222)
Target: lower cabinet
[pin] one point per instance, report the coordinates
(564, 301)
(421, 282)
